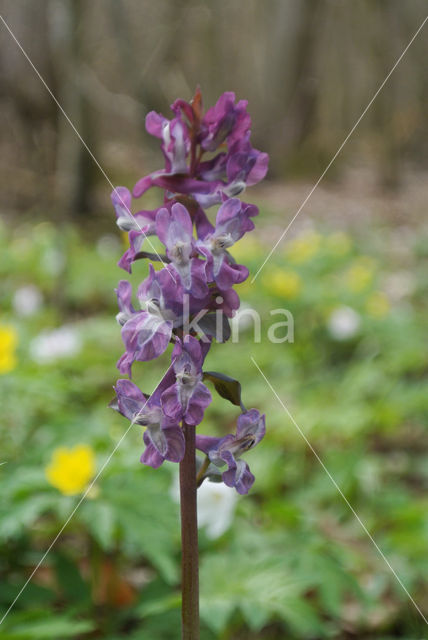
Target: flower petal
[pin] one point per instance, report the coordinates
(198, 402)
(129, 398)
(251, 423)
(170, 401)
(175, 441)
(151, 456)
(240, 477)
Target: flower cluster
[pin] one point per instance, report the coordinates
(209, 161)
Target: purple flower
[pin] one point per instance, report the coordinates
(146, 333)
(224, 121)
(228, 450)
(246, 165)
(140, 226)
(121, 199)
(228, 301)
(202, 224)
(175, 229)
(175, 141)
(199, 189)
(124, 297)
(233, 220)
(208, 192)
(188, 397)
(184, 144)
(136, 240)
(163, 437)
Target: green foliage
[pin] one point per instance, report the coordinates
(295, 563)
(36, 625)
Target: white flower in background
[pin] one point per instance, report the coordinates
(27, 300)
(52, 345)
(399, 285)
(216, 507)
(343, 323)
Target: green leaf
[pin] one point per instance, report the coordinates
(100, 519)
(146, 519)
(260, 584)
(226, 387)
(39, 625)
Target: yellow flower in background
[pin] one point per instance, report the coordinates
(338, 243)
(125, 239)
(304, 247)
(8, 342)
(360, 274)
(70, 470)
(8, 337)
(283, 283)
(377, 304)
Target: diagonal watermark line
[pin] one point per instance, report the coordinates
(58, 535)
(381, 86)
(43, 81)
(385, 559)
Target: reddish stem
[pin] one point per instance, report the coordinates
(189, 539)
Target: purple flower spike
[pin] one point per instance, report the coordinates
(163, 437)
(228, 450)
(208, 160)
(188, 397)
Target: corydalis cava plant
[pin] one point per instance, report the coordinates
(209, 161)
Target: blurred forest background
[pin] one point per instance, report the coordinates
(307, 67)
(290, 561)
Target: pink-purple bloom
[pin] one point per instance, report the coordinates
(189, 135)
(163, 437)
(139, 226)
(209, 160)
(188, 397)
(175, 141)
(228, 450)
(146, 333)
(233, 220)
(175, 229)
